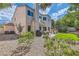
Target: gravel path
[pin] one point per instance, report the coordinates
(7, 44)
(37, 47)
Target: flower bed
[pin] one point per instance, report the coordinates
(24, 42)
(60, 45)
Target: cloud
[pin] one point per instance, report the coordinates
(7, 13)
(48, 9)
(59, 4)
(45, 11)
(59, 13)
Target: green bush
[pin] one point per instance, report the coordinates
(66, 36)
(26, 37)
(62, 28)
(45, 35)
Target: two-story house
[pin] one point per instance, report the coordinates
(25, 16)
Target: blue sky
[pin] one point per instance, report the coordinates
(56, 11)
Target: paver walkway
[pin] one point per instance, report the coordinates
(37, 47)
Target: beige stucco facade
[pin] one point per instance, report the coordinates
(1, 30)
(21, 17)
(9, 27)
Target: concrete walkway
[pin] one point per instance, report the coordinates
(37, 47)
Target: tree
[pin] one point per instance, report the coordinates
(74, 6)
(19, 28)
(71, 19)
(77, 24)
(60, 25)
(4, 5)
(53, 23)
(43, 6)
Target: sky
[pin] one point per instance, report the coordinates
(56, 11)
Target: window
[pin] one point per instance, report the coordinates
(48, 28)
(29, 28)
(44, 18)
(40, 28)
(44, 28)
(30, 13)
(40, 17)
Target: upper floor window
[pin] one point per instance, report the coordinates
(40, 17)
(40, 28)
(44, 18)
(30, 13)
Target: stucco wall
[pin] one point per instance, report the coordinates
(20, 17)
(1, 30)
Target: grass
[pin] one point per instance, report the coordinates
(67, 36)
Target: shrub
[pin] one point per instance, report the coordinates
(62, 28)
(26, 37)
(46, 35)
(24, 40)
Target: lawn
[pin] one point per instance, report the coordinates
(67, 36)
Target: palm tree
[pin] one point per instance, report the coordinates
(43, 6)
